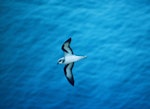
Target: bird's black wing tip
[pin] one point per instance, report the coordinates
(69, 40)
(71, 82)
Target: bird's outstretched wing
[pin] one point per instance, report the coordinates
(66, 47)
(68, 73)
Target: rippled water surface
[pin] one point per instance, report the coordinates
(115, 35)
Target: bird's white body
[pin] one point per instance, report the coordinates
(72, 58)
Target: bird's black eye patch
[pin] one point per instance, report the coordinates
(59, 60)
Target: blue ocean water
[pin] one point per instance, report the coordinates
(115, 35)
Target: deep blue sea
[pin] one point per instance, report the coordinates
(113, 34)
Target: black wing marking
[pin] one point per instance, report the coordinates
(66, 46)
(68, 73)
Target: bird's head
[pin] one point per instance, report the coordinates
(61, 60)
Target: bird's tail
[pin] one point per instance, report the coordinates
(81, 57)
(84, 57)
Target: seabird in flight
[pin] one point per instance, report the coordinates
(69, 59)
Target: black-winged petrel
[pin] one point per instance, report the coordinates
(69, 59)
